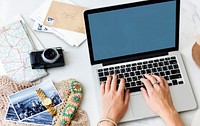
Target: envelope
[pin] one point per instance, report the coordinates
(65, 16)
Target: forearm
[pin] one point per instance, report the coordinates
(172, 119)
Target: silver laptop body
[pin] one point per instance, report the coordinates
(117, 38)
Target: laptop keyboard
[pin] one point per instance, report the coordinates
(166, 67)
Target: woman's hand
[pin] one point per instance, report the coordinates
(158, 98)
(114, 102)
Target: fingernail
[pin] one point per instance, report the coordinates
(128, 90)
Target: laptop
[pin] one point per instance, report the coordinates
(137, 38)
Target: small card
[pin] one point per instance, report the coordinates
(65, 16)
(27, 103)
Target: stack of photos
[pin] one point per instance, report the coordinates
(26, 106)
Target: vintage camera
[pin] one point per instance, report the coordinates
(48, 58)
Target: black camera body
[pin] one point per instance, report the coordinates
(48, 58)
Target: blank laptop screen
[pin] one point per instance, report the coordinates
(133, 30)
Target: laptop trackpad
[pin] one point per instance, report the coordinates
(139, 107)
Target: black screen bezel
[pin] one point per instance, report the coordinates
(133, 56)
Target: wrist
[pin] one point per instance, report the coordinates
(110, 116)
(105, 123)
(172, 118)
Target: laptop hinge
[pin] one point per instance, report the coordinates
(134, 58)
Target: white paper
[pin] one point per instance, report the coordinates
(73, 38)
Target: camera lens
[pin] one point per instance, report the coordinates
(50, 54)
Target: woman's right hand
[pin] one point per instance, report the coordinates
(158, 98)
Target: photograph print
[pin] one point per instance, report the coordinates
(43, 118)
(11, 115)
(27, 103)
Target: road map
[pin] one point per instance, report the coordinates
(15, 47)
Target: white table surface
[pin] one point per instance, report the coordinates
(77, 58)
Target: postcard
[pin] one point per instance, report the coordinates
(65, 16)
(27, 103)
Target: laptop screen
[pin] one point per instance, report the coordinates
(133, 30)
